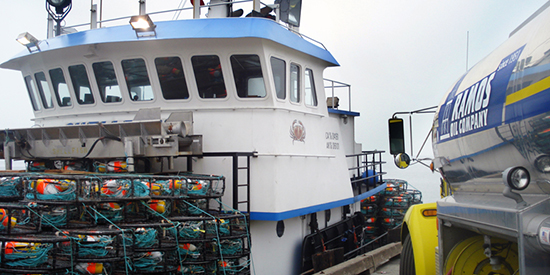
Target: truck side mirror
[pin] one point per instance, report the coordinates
(402, 160)
(397, 137)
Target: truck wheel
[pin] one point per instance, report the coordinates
(467, 257)
(406, 266)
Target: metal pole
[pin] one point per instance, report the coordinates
(93, 17)
(142, 7)
(411, 133)
(197, 9)
(50, 27)
(256, 5)
(236, 182)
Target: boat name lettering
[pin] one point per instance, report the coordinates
(69, 151)
(333, 145)
(331, 136)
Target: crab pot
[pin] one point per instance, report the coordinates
(64, 215)
(157, 261)
(11, 188)
(19, 218)
(147, 236)
(198, 267)
(205, 186)
(369, 209)
(32, 254)
(228, 247)
(124, 188)
(231, 265)
(48, 188)
(193, 251)
(95, 245)
(193, 207)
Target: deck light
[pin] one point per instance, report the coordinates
(59, 5)
(29, 41)
(516, 177)
(143, 25)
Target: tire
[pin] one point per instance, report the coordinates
(406, 266)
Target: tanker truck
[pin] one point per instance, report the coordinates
(491, 144)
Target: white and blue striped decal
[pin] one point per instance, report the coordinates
(479, 106)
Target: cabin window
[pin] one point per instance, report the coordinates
(32, 92)
(294, 83)
(81, 84)
(60, 87)
(209, 77)
(44, 90)
(171, 78)
(105, 76)
(137, 79)
(310, 94)
(249, 79)
(278, 68)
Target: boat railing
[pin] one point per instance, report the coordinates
(162, 15)
(366, 169)
(339, 93)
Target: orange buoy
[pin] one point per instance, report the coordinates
(90, 268)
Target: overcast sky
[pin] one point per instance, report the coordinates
(398, 55)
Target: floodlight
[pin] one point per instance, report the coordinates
(26, 39)
(142, 24)
(59, 5)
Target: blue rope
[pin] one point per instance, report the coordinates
(126, 260)
(29, 257)
(191, 229)
(148, 261)
(8, 186)
(92, 246)
(146, 237)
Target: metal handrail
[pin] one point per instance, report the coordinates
(342, 85)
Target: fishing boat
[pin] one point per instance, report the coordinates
(222, 125)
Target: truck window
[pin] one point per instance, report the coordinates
(81, 84)
(294, 83)
(105, 76)
(249, 79)
(209, 77)
(44, 90)
(32, 92)
(278, 68)
(60, 87)
(137, 79)
(311, 94)
(171, 78)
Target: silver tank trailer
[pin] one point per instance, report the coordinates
(491, 140)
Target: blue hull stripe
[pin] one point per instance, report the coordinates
(279, 216)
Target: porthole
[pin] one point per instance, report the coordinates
(280, 228)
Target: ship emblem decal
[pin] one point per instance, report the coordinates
(297, 131)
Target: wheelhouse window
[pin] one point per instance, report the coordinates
(81, 84)
(60, 87)
(171, 78)
(32, 92)
(137, 79)
(106, 82)
(278, 68)
(249, 79)
(294, 83)
(309, 89)
(209, 77)
(44, 90)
